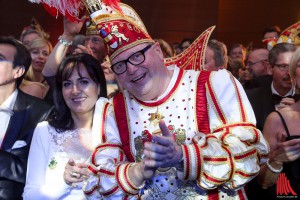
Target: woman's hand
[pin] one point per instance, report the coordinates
(75, 172)
(286, 151)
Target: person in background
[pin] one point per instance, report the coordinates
(177, 48)
(66, 139)
(34, 82)
(238, 51)
(259, 67)
(258, 64)
(19, 114)
(31, 32)
(166, 48)
(93, 45)
(215, 56)
(280, 93)
(185, 43)
(271, 32)
(281, 130)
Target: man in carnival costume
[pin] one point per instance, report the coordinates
(172, 133)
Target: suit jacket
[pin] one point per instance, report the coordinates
(28, 111)
(262, 103)
(261, 81)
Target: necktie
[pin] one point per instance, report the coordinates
(7, 111)
(277, 98)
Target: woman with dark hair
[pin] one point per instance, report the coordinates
(66, 140)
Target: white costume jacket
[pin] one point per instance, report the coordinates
(211, 118)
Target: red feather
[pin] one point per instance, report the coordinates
(114, 4)
(68, 8)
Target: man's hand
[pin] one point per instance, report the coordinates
(83, 49)
(163, 151)
(139, 173)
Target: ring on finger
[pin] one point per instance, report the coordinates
(74, 174)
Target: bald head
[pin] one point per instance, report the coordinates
(258, 63)
(261, 54)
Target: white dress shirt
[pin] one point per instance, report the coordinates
(5, 116)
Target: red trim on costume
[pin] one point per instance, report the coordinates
(94, 171)
(187, 161)
(241, 194)
(93, 157)
(213, 194)
(215, 102)
(104, 122)
(201, 103)
(233, 126)
(256, 139)
(250, 153)
(157, 103)
(211, 136)
(244, 174)
(225, 134)
(104, 171)
(239, 100)
(127, 179)
(118, 174)
(212, 179)
(230, 162)
(110, 192)
(91, 191)
(214, 159)
(198, 154)
(122, 123)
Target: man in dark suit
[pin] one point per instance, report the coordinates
(19, 114)
(260, 69)
(268, 98)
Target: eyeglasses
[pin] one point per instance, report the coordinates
(282, 67)
(249, 63)
(135, 59)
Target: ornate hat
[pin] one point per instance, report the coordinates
(91, 28)
(289, 35)
(121, 28)
(118, 24)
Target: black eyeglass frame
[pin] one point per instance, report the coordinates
(142, 51)
(253, 63)
(282, 67)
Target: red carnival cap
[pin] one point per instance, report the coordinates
(118, 24)
(289, 35)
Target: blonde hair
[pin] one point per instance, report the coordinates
(166, 47)
(36, 44)
(293, 67)
(34, 27)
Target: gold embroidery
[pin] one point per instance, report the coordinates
(155, 118)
